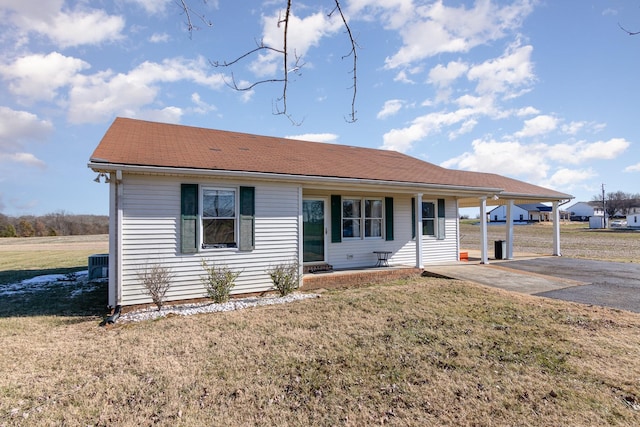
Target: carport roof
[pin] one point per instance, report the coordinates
(130, 142)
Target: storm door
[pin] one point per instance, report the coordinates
(313, 231)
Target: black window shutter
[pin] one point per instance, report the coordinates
(336, 218)
(441, 221)
(189, 218)
(388, 217)
(246, 241)
(413, 218)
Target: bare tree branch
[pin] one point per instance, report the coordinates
(188, 13)
(353, 52)
(631, 33)
(280, 106)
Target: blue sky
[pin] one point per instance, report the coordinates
(542, 91)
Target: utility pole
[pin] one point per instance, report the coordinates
(604, 209)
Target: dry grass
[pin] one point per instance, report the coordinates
(422, 352)
(576, 240)
(425, 352)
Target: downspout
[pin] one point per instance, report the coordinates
(115, 246)
(119, 195)
(112, 319)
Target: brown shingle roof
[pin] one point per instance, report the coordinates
(143, 143)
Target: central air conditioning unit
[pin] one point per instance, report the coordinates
(98, 266)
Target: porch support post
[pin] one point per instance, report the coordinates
(301, 236)
(484, 259)
(419, 261)
(556, 229)
(509, 254)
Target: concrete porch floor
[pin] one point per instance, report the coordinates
(496, 273)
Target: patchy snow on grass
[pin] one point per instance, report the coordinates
(46, 282)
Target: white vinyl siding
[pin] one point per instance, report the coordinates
(358, 253)
(151, 227)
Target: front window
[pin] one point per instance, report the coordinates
(351, 213)
(373, 218)
(428, 219)
(219, 218)
(358, 222)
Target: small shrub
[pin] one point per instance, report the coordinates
(156, 281)
(285, 277)
(218, 281)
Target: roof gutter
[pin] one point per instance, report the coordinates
(97, 166)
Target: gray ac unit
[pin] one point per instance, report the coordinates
(98, 266)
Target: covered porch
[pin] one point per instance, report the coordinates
(510, 200)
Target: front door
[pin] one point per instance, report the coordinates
(313, 231)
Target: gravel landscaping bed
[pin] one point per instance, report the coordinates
(210, 307)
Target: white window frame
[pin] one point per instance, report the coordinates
(362, 218)
(434, 219)
(235, 218)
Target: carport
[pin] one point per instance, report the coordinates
(514, 192)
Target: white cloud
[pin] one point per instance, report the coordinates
(402, 139)
(538, 126)
(303, 33)
(152, 6)
(581, 151)
(527, 111)
(507, 158)
(505, 74)
(26, 159)
(165, 115)
(17, 127)
(38, 77)
(441, 75)
(74, 27)
(573, 127)
(201, 106)
(390, 108)
(569, 178)
(633, 168)
(466, 127)
(159, 38)
(97, 97)
(534, 161)
(315, 137)
(434, 28)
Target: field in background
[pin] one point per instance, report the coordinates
(26, 257)
(425, 351)
(576, 240)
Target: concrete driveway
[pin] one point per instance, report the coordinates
(608, 284)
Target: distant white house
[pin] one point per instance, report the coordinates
(634, 210)
(522, 212)
(633, 220)
(582, 211)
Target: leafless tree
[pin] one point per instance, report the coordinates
(617, 203)
(280, 106)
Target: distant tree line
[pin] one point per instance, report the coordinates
(618, 203)
(53, 224)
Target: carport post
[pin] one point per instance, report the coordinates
(484, 259)
(509, 254)
(555, 212)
